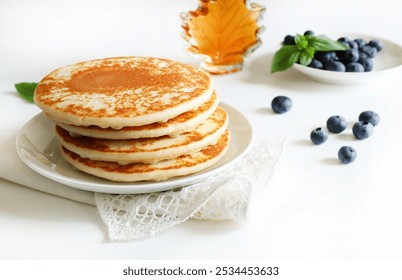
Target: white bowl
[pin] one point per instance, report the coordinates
(388, 60)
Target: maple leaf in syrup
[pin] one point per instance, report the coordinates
(224, 31)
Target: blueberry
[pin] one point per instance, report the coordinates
(360, 42)
(336, 124)
(345, 44)
(315, 63)
(318, 136)
(347, 154)
(289, 40)
(366, 62)
(370, 51)
(354, 67)
(335, 66)
(376, 44)
(353, 45)
(309, 32)
(343, 40)
(351, 55)
(363, 55)
(326, 57)
(370, 117)
(281, 104)
(362, 130)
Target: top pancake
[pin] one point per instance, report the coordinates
(122, 91)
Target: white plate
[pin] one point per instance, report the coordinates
(38, 148)
(387, 61)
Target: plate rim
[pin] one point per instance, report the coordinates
(127, 187)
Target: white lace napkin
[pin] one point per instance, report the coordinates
(229, 195)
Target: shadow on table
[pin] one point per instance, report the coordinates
(258, 71)
(210, 227)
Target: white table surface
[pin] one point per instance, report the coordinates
(318, 210)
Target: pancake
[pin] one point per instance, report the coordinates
(179, 124)
(147, 150)
(122, 91)
(162, 170)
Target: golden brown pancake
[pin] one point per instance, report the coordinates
(147, 150)
(162, 170)
(184, 122)
(122, 91)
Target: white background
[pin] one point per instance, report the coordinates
(318, 209)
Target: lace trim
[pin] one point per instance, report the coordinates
(226, 196)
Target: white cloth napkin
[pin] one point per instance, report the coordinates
(229, 195)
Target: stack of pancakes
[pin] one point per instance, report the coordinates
(135, 118)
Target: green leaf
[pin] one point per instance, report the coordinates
(284, 58)
(308, 36)
(301, 41)
(306, 56)
(305, 59)
(322, 43)
(309, 52)
(26, 90)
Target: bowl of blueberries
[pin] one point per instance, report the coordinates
(366, 59)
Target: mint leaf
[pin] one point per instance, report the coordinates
(322, 43)
(284, 58)
(308, 36)
(301, 41)
(303, 51)
(306, 56)
(26, 90)
(309, 51)
(305, 59)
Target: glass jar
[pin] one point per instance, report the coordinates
(222, 33)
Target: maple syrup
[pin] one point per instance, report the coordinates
(222, 33)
